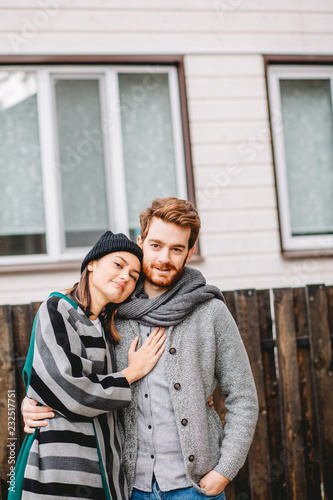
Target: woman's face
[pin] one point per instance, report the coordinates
(113, 277)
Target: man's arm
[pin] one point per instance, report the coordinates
(233, 371)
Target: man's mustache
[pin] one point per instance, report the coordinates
(164, 268)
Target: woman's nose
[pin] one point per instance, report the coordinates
(124, 276)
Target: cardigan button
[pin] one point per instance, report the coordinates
(191, 458)
(177, 386)
(184, 421)
(172, 350)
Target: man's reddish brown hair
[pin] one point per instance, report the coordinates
(180, 212)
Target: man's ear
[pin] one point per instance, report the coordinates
(190, 253)
(139, 241)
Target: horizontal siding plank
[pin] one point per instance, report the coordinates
(215, 87)
(26, 281)
(249, 265)
(159, 43)
(226, 110)
(239, 243)
(236, 199)
(202, 5)
(236, 21)
(256, 131)
(239, 175)
(249, 220)
(244, 152)
(224, 66)
(264, 265)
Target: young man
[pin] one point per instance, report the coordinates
(173, 442)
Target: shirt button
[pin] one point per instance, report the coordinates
(146, 395)
(172, 350)
(184, 421)
(177, 386)
(151, 456)
(149, 426)
(191, 458)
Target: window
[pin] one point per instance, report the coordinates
(302, 127)
(83, 149)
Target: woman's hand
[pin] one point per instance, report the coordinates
(143, 360)
(33, 415)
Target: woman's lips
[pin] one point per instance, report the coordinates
(118, 284)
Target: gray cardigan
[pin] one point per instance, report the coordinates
(202, 350)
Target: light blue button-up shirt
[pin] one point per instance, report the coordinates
(159, 450)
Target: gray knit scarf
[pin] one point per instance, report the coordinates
(174, 305)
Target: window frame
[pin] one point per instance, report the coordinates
(107, 69)
(292, 67)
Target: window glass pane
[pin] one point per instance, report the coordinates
(22, 228)
(147, 141)
(81, 160)
(308, 142)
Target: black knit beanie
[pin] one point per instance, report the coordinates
(109, 243)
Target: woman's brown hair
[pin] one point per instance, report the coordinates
(80, 293)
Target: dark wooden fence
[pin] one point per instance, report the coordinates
(291, 356)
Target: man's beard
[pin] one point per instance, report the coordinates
(160, 281)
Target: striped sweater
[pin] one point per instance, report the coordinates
(69, 367)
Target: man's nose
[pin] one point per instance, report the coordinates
(164, 255)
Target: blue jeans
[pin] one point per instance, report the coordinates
(181, 494)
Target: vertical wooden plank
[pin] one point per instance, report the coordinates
(329, 295)
(240, 485)
(230, 301)
(277, 465)
(230, 490)
(22, 323)
(34, 308)
(259, 458)
(218, 397)
(8, 401)
(289, 391)
(308, 399)
(321, 352)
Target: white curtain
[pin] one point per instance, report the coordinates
(147, 141)
(308, 141)
(21, 193)
(81, 156)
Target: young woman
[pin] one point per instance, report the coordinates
(70, 368)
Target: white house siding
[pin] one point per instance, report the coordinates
(223, 42)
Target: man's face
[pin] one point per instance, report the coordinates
(165, 252)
